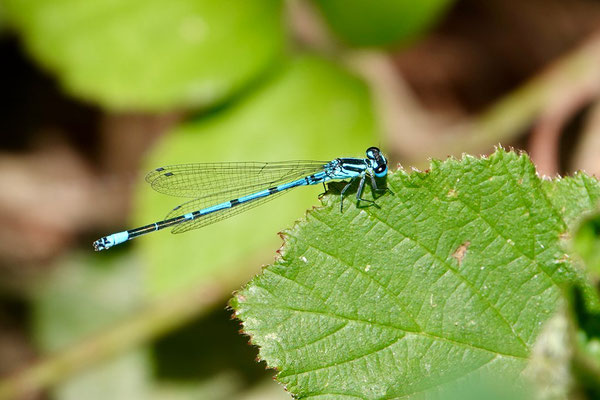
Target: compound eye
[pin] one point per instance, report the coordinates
(380, 169)
(373, 153)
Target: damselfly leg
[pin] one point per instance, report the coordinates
(361, 187)
(360, 190)
(344, 191)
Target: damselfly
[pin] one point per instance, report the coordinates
(221, 190)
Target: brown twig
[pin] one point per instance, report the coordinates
(586, 153)
(510, 117)
(544, 142)
(550, 97)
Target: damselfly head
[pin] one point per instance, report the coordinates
(378, 161)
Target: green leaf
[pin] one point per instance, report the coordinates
(586, 243)
(2, 19)
(381, 23)
(311, 109)
(82, 296)
(549, 369)
(450, 278)
(577, 200)
(573, 197)
(584, 319)
(151, 54)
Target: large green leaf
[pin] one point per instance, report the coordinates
(151, 54)
(384, 22)
(312, 109)
(450, 278)
(2, 19)
(586, 243)
(81, 296)
(85, 295)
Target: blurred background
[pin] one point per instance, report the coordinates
(95, 93)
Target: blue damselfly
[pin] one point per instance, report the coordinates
(221, 190)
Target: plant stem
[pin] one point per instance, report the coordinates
(417, 134)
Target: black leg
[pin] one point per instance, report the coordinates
(374, 185)
(359, 192)
(342, 194)
(324, 190)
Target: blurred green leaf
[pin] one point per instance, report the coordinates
(483, 386)
(381, 23)
(2, 18)
(593, 349)
(82, 296)
(151, 54)
(449, 278)
(82, 299)
(577, 199)
(312, 109)
(566, 357)
(549, 367)
(565, 362)
(224, 386)
(125, 377)
(586, 243)
(585, 320)
(586, 359)
(573, 197)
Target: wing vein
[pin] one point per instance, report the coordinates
(209, 184)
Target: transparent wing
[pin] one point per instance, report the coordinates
(208, 219)
(232, 179)
(216, 183)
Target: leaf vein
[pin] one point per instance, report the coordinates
(388, 326)
(456, 273)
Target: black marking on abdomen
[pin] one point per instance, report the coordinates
(273, 190)
(155, 226)
(234, 202)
